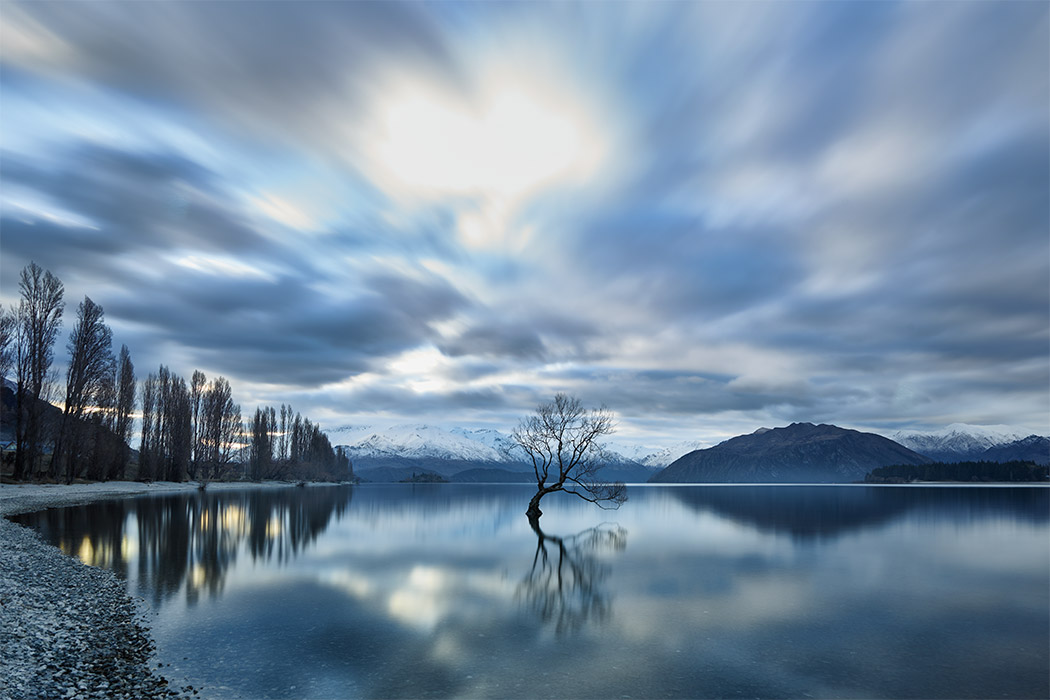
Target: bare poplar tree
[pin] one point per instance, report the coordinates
(148, 448)
(8, 321)
(39, 322)
(282, 445)
(178, 422)
(123, 414)
(271, 428)
(89, 374)
(167, 427)
(562, 441)
(230, 433)
(160, 424)
(221, 419)
(261, 446)
(296, 443)
(198, 386)
(104, 445)
(8, 331)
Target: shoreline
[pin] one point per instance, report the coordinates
(28, 497)
(71, 630)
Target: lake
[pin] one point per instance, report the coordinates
(444, 590)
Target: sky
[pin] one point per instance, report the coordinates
(709, 217)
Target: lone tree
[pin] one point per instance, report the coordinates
(562, 441)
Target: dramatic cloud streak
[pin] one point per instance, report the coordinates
(710, 216)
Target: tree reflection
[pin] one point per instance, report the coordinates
(564, 586)
(191, 541)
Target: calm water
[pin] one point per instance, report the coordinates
(686, 591)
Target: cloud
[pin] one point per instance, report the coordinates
(691, 212)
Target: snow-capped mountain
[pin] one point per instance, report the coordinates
(503, 444)
(415, 442)
(385, 454)
(958, 441)
(1034, 448)
(658, 459)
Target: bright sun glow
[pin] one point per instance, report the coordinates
(516, 138)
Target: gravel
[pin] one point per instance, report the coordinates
(68, 630)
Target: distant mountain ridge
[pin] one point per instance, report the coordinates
(658, 458)
(959, 442)
(1034, 448)
(806, 452)
(397, 452)
(414, 442)
(800, 453)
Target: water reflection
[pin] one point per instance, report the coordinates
(824, 512)
(565, 588)
(191, 540)
(446, 590)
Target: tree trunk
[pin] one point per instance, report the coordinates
(534, 511)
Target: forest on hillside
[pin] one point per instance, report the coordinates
(959, 471)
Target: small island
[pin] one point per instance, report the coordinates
(424, 478)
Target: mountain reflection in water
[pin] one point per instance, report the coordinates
(445, 590)
(805, 511)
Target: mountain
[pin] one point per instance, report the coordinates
(958, 442)
(394, 453)
(1033, 448)
(503, 444)
(415, 442)
(799, 453)
(657, 458)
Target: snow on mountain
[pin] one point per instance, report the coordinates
(481, 445)
(661, 458)
(652, 457)
(416, 442)
(1034, 448)
(504, 444)
(953, 443)
(349, 434)
(958, 441)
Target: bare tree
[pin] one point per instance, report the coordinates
(104, 444)
(39, 322)
(178, 424)
(167, 427)
(260, 445)
(147, 448)
(562, 441)
(88, 376)
(282, 443)
(8, 321)
(8, 331)
(125, 407)
(220, 424)
(198, 385)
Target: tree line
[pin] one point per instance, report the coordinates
(958, 471)
(190, 430)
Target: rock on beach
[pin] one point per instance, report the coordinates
(67, 630)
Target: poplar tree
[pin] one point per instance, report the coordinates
(123, 414)
(89, 375)
(39, 322)
(8, 324)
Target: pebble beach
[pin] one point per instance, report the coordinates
(70, 630)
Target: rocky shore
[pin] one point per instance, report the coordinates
(69, 630)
